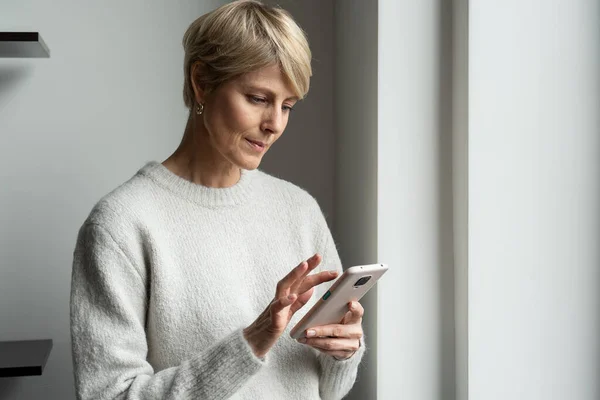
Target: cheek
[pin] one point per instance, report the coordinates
(234, 119)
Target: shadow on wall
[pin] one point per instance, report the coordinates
(11, 78)
(9, 388)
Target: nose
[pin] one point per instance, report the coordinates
(273, 121)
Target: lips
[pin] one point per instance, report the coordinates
(256, 142)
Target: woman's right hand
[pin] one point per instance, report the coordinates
(292, 293)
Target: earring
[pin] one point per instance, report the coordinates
(199, 109)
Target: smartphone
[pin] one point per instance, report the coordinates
(354, 283)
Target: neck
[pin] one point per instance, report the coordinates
(197, 161)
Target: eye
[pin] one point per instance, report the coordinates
(257, 99)
(287, 108)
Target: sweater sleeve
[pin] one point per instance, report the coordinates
(337, 376)
(108, 316)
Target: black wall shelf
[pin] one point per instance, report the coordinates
(24, 358)
(23, 45)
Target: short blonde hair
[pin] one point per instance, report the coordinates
(241, 37)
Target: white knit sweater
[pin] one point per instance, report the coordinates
(167, 273)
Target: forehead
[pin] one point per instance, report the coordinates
(268, 78)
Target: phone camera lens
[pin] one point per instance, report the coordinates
(362, 281)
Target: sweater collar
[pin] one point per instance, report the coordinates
(239, 193)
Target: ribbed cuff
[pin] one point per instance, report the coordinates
(338, 376)
(222, 370)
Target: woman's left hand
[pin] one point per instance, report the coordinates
(338, 340)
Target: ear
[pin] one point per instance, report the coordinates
(195, 74)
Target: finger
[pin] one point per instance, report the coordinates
(284, 284)
(339, 355)
(356, 313)
(347, 317)
(317, 279)
(312, 262)
(302, 300)
(336, 331)
(330, 344)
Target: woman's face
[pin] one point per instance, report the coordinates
(245, 116)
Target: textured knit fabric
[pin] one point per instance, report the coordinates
(167, 273)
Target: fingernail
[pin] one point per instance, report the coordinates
(333, 273)
(311, 333)
(302, 340)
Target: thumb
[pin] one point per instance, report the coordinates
(283, 302)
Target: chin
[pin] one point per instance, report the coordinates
(249, 163)
(248, 160)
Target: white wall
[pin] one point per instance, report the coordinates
(416, 299)
(534, 195)
(74, 126)
(356, 161)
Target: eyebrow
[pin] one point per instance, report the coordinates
(268, 91)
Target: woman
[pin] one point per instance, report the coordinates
(183, 286)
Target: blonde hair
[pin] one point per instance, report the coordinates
(241, 37)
